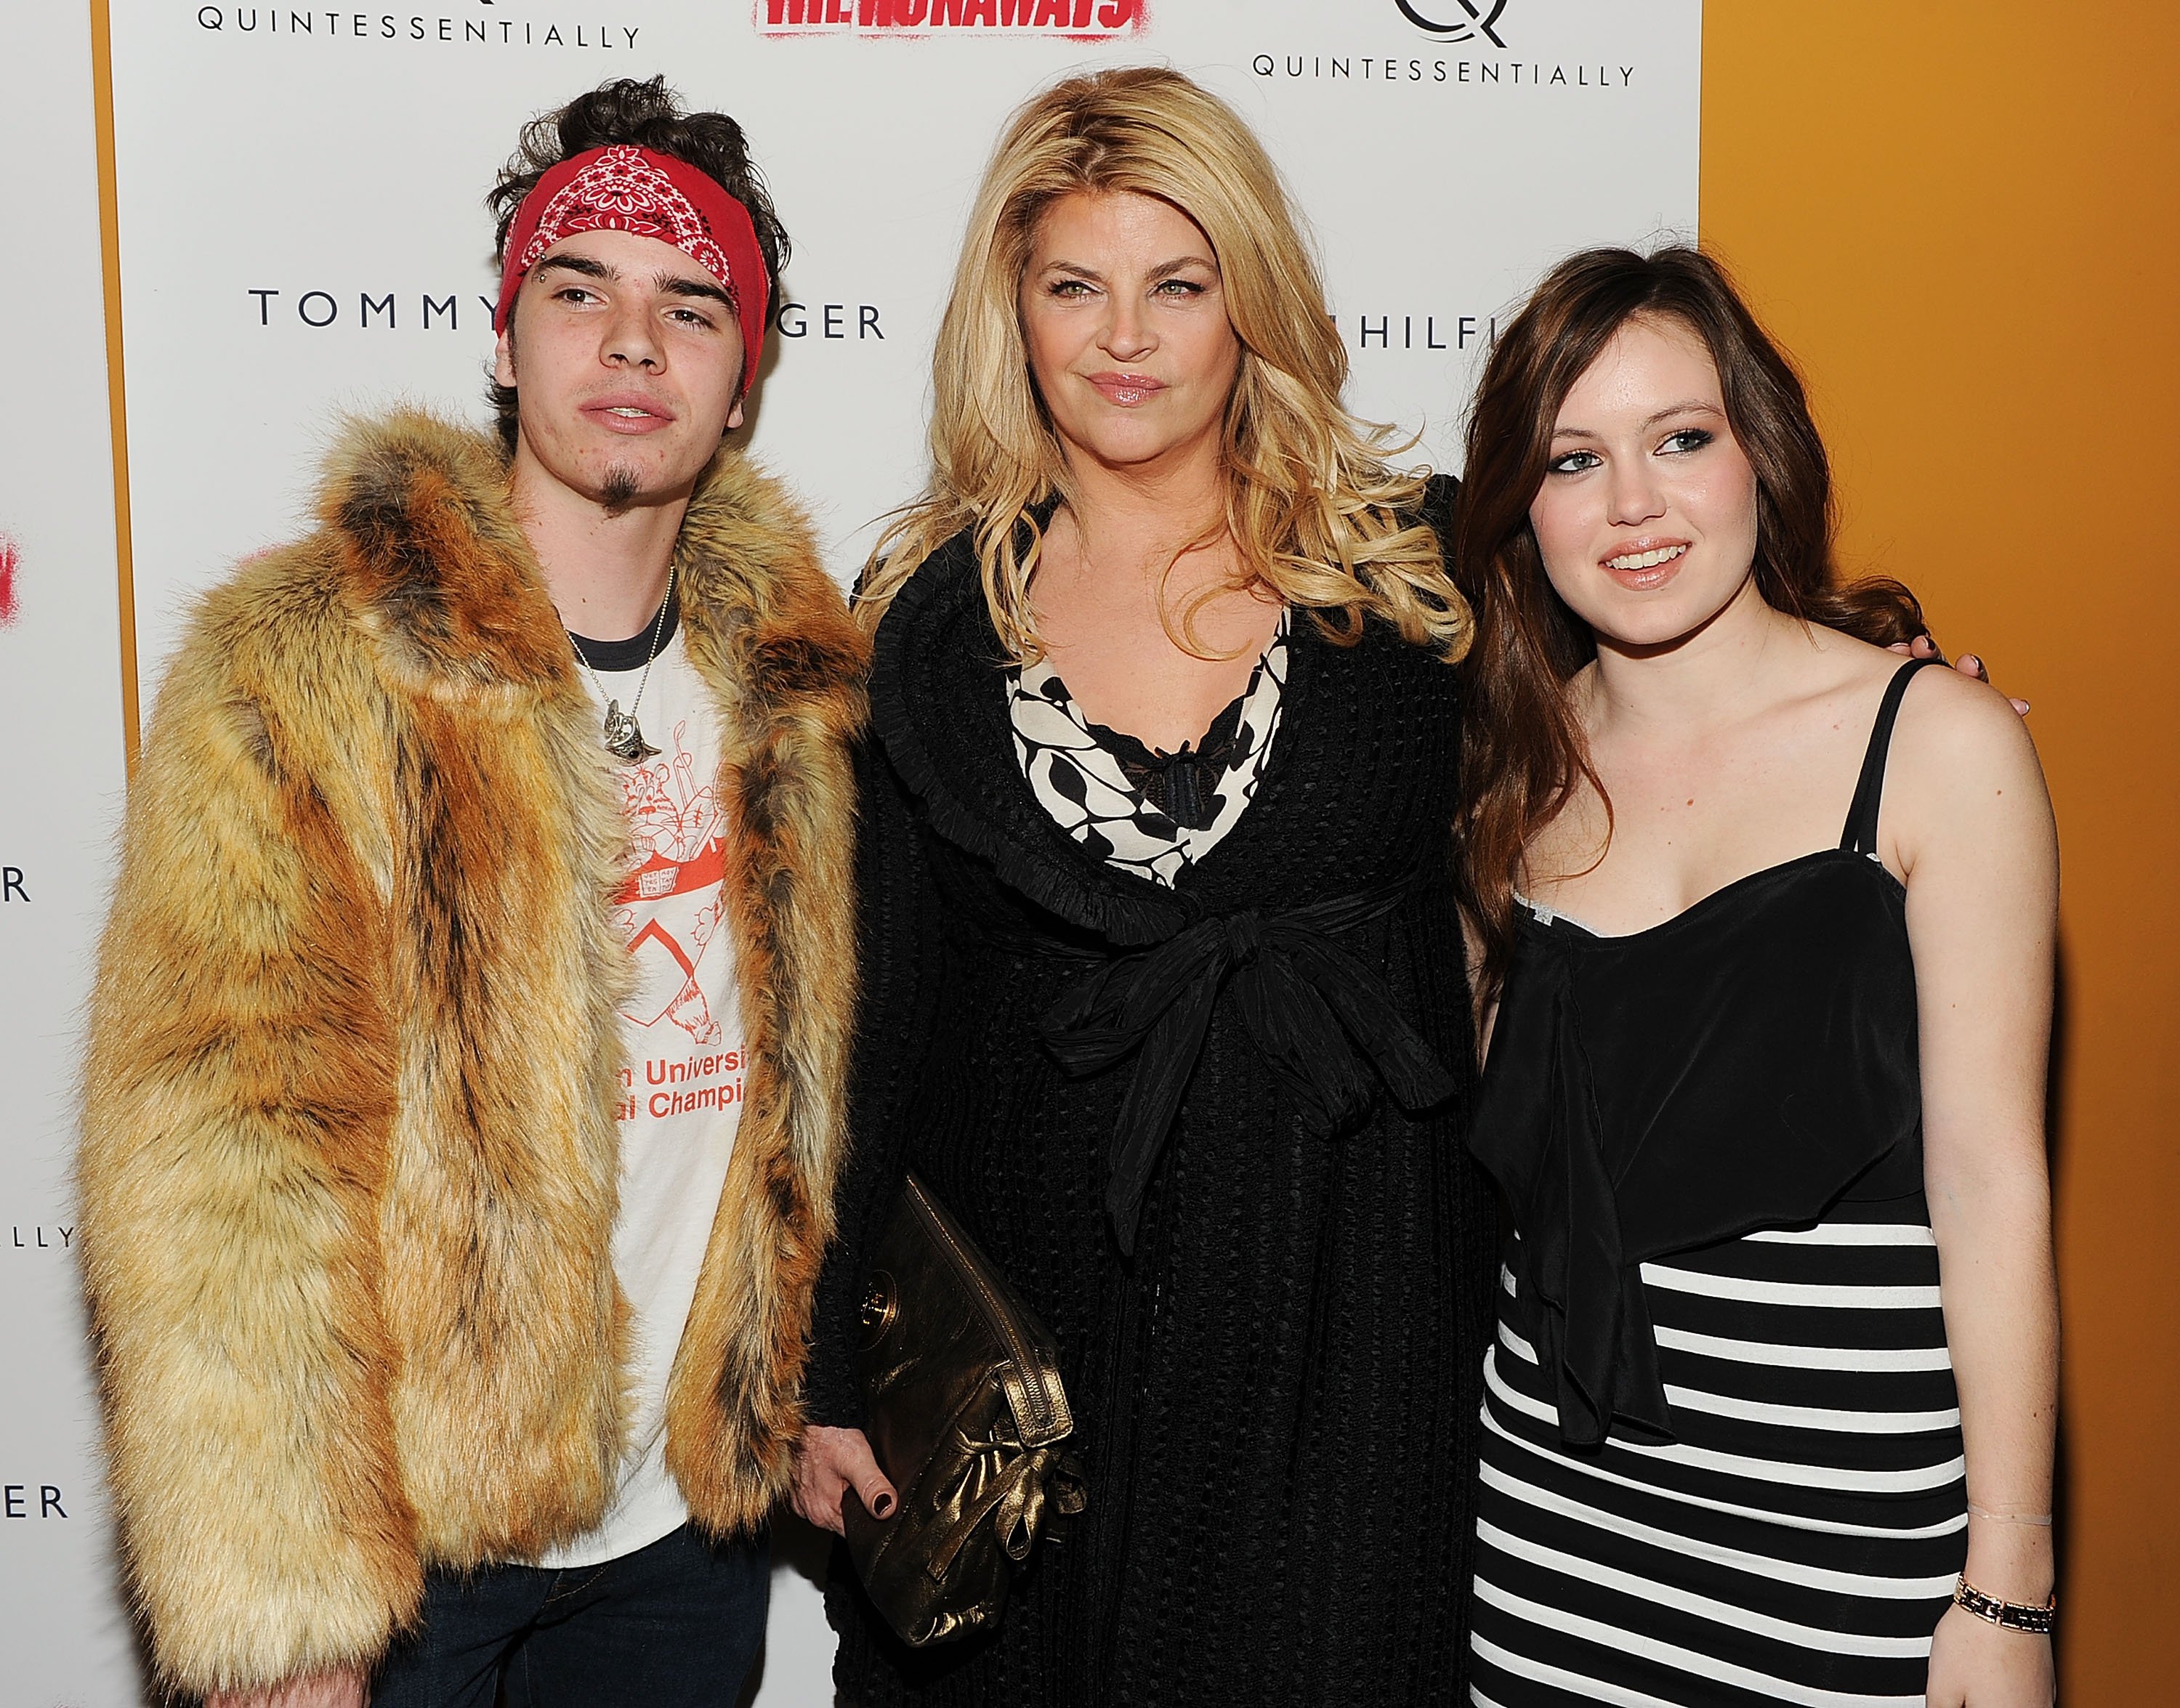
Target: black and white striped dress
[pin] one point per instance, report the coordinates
(1722, 1458)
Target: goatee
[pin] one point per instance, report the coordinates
(621, 489)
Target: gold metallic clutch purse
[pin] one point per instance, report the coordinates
(968, 1420)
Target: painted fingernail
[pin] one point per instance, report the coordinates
(882, 1506)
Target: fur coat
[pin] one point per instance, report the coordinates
(349, 1168)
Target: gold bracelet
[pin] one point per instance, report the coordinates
(2013, 1616)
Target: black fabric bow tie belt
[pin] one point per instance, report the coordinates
(1322, 1020)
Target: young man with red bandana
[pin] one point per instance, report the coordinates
(465, 1090)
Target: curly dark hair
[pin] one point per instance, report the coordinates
(648, 115)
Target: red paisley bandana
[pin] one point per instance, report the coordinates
(632, 189)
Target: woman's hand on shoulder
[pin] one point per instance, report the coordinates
(1963, 787)
(1968, 664)
(1975, 1664)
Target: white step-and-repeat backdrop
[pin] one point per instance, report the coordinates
(299, 228)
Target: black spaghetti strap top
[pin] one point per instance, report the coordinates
(1747, 1064)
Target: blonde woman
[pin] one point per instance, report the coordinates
(1163, 984)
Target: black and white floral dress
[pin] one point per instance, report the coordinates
(1154, 813)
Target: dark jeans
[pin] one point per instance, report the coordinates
(675, 1625)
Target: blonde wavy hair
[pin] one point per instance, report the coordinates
(1316, 510)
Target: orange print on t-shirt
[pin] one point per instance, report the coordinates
(669, 907)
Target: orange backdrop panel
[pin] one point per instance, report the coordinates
(1964, 221)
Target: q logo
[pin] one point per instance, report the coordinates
(1469, 18)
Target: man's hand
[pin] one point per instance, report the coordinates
(827, 1464)
(348, 1688)
(1968, 664)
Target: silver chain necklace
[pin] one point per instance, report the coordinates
(624, 734)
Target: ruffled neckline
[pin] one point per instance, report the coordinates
(938, 706)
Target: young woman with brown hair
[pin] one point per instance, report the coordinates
(1756, 1080)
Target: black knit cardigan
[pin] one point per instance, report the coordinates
(1277, 1395)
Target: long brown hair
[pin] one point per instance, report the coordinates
(1524, 754)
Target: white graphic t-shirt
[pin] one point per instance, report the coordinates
(682, 1088)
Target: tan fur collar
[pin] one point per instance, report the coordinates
(441, 572)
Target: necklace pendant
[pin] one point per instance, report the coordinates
(624, 736)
